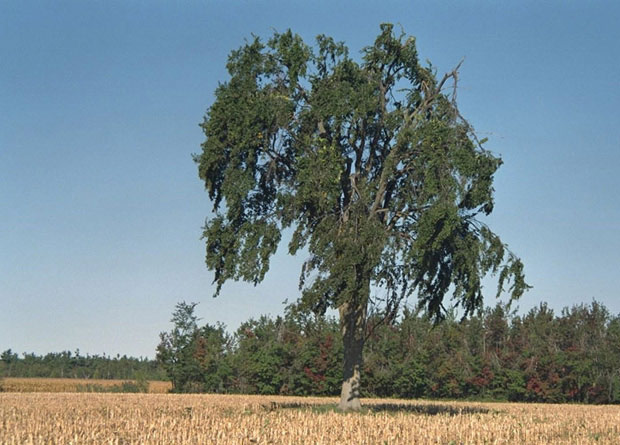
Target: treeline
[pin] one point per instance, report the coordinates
(497, 355)
(74, 365)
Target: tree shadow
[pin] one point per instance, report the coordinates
(428, 409)
(423, 409)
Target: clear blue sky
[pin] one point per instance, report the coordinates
(101, 208)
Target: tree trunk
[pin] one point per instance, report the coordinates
(352, 320)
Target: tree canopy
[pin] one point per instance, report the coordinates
(370, 162)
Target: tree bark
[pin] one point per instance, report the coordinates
(352, 320)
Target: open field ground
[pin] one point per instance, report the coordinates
(17, 384)
(83, 418)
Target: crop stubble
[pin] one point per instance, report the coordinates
(35, 384)
(91, 418)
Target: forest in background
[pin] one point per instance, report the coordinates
(541, 356)
(77, 366)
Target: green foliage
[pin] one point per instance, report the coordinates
(370, 161)
(373, 166)
(8, 360)
(261, 356)
(296, 355)
(74, 365)
(194, 358)
(493, 355)
(141, 383)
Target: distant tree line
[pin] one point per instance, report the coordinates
(541, 356)
(74, 365)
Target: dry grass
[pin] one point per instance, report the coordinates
(15, 384)
(45, 418)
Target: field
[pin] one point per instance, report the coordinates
(92, 418)
(16, 384)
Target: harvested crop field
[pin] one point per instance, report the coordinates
(34, 384)
(83, 418)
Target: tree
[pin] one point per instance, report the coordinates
(8, 357)
(211, 347)
(261, 356)
(176, 349)
(373, 166)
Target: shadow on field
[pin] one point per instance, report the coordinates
(429, 410)
(424, 409)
